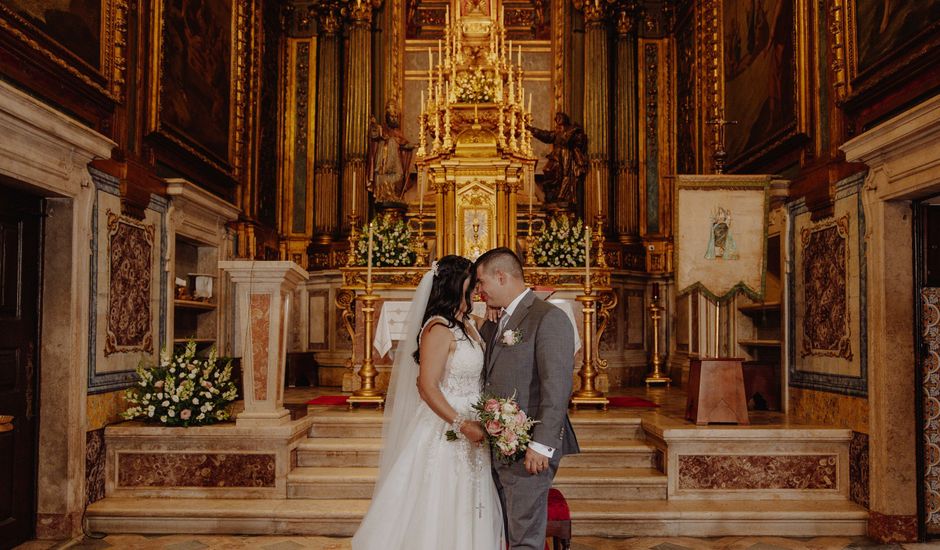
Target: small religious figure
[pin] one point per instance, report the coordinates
(720, 241)
(567, 163)
(389, 160)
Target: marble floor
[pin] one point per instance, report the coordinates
(212, 542)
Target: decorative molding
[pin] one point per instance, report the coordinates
(758, 472)
(209, 470)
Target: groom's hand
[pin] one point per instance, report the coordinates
(473, 431)
(534, 462)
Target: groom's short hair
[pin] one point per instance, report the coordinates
(503, 259)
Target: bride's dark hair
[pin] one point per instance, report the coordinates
(447, 294)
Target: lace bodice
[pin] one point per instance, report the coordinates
(461, 378)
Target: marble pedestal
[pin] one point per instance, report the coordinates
(263, 300)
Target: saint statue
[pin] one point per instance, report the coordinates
(567, 162)
(389, 160)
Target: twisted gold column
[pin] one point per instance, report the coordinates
(596, 109)
(327, 129)
(356, 104)
(626, 216)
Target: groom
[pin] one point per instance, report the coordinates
(529, 352)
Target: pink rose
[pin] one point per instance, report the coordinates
(158, 384)
(510, 437)
(492, 405)
(185, 414)
(493, 427)
(509, 338)
(520, 417)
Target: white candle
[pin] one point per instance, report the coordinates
(354, 193)
(529, 110)
(420, 195)
(369, 263)
(597, 177)
(531, 195)
(587, 255)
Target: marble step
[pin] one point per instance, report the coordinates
(337, 422)
(599, 518)
(364, 452)
(584, 483)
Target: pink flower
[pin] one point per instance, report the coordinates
(493, 427)
(520, 417)
(492, 405)
(185, 414)
(158, 384)
(510, 437)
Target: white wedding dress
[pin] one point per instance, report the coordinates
(438, 494)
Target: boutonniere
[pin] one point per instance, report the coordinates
(511, 337)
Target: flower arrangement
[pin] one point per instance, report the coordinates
(506, 425)
(183, 390)
(391, 243)
(475, 87)
(561, 243)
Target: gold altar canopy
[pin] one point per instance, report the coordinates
(474, 151)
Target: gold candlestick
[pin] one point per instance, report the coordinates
(353, 239)
(587, 394)
(601, 260)
(657, 376)
(419, 247)
(367, 392)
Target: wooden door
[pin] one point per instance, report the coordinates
(20, 219)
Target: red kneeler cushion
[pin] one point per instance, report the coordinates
(557, 506)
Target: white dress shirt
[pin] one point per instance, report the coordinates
(543, 450)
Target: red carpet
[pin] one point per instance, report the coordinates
(328, 400)
(624, 401)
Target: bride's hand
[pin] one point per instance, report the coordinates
(472, 430)
(493, 314)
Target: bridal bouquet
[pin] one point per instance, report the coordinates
(507, 426)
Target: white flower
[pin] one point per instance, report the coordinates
(195, 400)
(165, 404)
(163, 418)
(171, 413)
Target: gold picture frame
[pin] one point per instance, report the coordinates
(903, 47)
(210, 55)
(789, 113)
(59, 42)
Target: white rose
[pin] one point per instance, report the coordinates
(171, 413)
(165, 404)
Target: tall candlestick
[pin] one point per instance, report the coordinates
(369, 263)
(587, 257)
(420, 194)
(531, 197)
(439, 52)
(430, 61)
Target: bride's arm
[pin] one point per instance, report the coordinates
(436, 346)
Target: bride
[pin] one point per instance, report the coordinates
(433, 493)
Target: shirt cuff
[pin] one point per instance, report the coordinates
(543, 450)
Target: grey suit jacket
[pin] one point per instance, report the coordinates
(538, 369)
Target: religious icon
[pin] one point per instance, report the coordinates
(720, 241)
(567, 163)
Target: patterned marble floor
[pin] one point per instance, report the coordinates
(213, 542)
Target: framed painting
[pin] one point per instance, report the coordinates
(85, 39)
(882, 45)
(766, 94)
(198, 77)
(827, 287)
(721, 235)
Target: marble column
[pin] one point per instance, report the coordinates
(326, 169)
(625, 137)
(356, 105)
(596, 109)
(263, 292)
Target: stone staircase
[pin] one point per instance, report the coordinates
(615, 487)
(614, 464)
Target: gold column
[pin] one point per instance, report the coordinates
(627, 224)
(327, 130)
(596, 107)
(357, 94)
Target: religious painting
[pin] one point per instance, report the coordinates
(199, 72)
(882, 27)
(74, 24)
(721, 223)
(85, 39)
(760, 71)
(130, 254)
(128, 288)
(826, 281)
